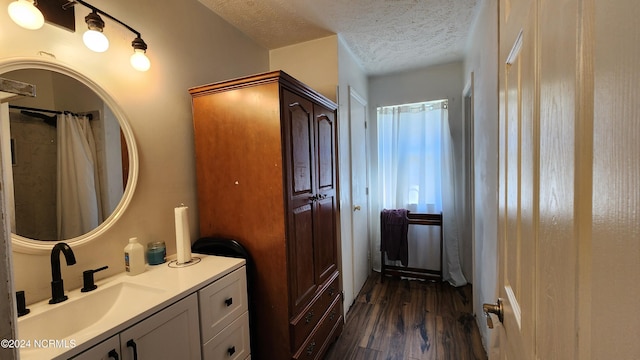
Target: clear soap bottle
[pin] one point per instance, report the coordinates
(134, 257)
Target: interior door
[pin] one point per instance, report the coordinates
(359, 199)
(545, 188)
(518, 194)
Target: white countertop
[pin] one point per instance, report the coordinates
(176, 283)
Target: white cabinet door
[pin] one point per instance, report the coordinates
(172, 333)
(106, 350)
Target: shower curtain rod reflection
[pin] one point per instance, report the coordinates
(48, 111)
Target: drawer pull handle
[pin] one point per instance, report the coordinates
(113, 354)
(307, 319)
(332, 291)
(231, 350)
(310, 348)
(132, 344)
(332, 315)
(229, 301)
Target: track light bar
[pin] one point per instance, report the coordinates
(23, 13)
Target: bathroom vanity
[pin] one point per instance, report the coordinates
(193, 312)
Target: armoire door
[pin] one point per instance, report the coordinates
(326, 207)
(299, 141)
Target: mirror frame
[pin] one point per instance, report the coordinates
(30, 246)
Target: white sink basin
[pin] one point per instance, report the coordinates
(84, 311)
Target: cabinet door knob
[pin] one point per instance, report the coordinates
(231, 350)
(229, 301)
(332, 315)
(310, 348)
(307, 319)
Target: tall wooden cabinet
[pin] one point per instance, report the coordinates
(266, 171)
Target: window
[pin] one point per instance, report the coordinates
(410, 155)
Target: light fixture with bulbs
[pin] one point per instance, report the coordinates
(31, 14)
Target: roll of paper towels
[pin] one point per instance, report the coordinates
(183, 239)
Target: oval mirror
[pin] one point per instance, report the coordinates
(69, 158)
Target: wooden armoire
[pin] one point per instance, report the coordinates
(266, 175)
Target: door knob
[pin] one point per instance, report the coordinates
(493, 309)
(357, 208)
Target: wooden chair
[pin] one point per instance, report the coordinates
(420, 273)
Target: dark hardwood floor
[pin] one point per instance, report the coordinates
(408, 320)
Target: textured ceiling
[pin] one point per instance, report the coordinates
(385, 35)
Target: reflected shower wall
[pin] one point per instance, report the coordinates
(34, 176)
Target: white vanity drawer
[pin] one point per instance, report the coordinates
(222, 302)
(231, 344)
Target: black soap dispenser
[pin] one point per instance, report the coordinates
(87, 279)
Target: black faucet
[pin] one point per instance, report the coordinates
(57, 285)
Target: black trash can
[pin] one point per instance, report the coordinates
(231, 248)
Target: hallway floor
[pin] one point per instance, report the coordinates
(409, 320)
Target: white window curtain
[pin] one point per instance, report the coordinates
(78, 200)
(416, 172)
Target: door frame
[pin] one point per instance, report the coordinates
(353, 94)
(469, 163)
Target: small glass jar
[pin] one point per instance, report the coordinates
(156, 253)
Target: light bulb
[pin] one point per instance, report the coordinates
(139, 60)
(95, 40)
(25, 14)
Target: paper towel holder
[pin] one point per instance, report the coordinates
(175, 264)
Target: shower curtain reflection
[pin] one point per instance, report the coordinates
(79, 208)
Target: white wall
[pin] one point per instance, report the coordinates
(482, 61)
(188, 46)
(314, 62)
(350, 73)
(432, 83)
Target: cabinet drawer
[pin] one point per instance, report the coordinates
(303, 324)
(321, 336)
(222, 302)
(230, 344)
